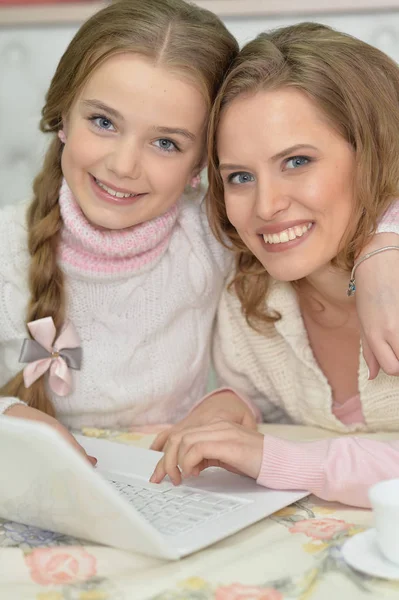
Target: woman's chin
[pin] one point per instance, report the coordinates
(287, 273)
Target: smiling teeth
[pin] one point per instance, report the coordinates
(287, 235)
(113, 192)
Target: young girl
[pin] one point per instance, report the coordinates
(109, 292)
(304, 163)
(115, 270)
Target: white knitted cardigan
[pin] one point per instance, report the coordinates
(279, 372)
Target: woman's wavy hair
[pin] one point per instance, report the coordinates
(178, 35)
(356, 87)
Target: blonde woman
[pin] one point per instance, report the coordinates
(303, 165)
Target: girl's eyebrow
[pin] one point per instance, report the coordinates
(176, 131)
(98, 105)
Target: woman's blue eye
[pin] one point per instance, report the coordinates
(297, 161)
(240, 178)
(165, 144)
(102, 123)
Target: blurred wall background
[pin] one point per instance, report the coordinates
(32, 40)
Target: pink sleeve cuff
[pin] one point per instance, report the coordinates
(251, 405)
(292, 465)
(340, 469)
(390, 221)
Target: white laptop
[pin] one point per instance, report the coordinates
(46, 483)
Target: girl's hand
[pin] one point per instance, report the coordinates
(225, 406)
(377, 301)
(220, 444)
(26, 412)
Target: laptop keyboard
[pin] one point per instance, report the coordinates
(176, 510)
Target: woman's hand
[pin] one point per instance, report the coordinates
(377, 301)
(220, 444)
(225, 406)
(26, 412)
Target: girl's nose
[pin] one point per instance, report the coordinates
(125, 161)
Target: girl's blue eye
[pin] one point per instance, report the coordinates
(240, 178)
(102, 123)
(297, 161)
(166, 145)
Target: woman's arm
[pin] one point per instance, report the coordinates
(340, 469)
(377, 297)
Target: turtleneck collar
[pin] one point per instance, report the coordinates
(98, 252)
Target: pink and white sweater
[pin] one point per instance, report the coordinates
(279, 375)
(143, 302)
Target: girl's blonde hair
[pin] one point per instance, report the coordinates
(356, 87)
(180, 36)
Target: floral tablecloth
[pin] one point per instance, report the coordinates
(295, 554)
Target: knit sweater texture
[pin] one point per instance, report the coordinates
(278, 371)
(142, 301)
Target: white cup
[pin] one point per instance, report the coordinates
(384, 499)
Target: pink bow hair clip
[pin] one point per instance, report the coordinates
(45, 353)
